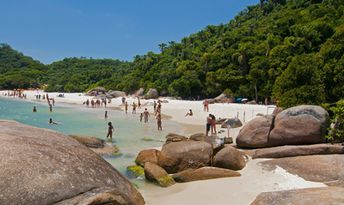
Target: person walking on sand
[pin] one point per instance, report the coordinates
(146, 115)
(138, 102)
(206, 106)
(213, 124)
(141, 117)
(158, 121)
(110, 131)
(126, 107)
(134, 108)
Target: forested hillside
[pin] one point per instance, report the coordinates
(287, 51)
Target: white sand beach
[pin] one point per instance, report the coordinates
(236, 190)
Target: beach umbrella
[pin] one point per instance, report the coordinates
(232, 122)
(244, 99)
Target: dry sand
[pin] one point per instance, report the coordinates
(238, 190)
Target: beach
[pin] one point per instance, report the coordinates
(255, 178)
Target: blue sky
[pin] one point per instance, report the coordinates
(50, 30)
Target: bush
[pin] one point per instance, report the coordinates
(336, 133)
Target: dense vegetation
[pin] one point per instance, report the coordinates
(287, 51)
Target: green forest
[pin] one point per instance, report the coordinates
(290, 52)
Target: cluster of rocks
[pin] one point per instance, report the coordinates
(184, 159)
(295, 138)
(39, 166)
(152, 93)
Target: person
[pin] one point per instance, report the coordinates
(206, 106)
(126, 107)
(106, 114)
(110, 130)
(34, 109)
(123, 100)
(208, 125)
(213, 124)
(50, 108)
(146, 115)
(138, 102)
(141, 116)
(52, 122)
(154, 104)
(134, 108)
(189, 113)
(158, 109)
(158, 121)
(87, 102)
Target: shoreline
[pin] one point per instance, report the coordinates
(255, 178)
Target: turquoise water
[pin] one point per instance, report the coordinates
(76, 119)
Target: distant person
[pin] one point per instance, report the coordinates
(208, 124)
(138, 102)
(158, 109)
(206, 106)
(146, 115)
(158, 121)
(123, 100)
(34, 109)
(106, 114)
(52, 122)
(141, 117)
(134, 108)
(213, 124)
(50, 108)
(110, 130)
(190, 113)
(126, 107)
(154, 105)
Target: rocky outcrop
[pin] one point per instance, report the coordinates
(152, 93)
(139, 92)
(319, 168)
(148, 155)
(203, 174)
(135, 171)
(172, 137)
(158, 175)
(299, 150)
(40, 166)
(232, 122)
(255, 133)
(223, 98)
(309, 196)
(96, 91)
(230, 158)
(179, 156)
(304, 124)
(117, 93)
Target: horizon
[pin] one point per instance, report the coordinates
(50, 31)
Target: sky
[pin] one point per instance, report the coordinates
(50, 30)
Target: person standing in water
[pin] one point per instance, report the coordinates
(34, 109)
(110, 131)
(126, 107)
(146, 115)
(106, 114)
(50, 108)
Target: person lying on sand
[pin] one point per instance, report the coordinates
(189, 113)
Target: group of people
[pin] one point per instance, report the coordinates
(96, 103)
(16, 93)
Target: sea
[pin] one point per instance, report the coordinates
(130, 135)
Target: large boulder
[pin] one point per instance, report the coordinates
(214, 140)
(139, 92)
(172, 137)
(117, 93)
(152, 93)
(309, 196)
(39, 166)
(88, 141)
(156, 174)
(255, 133)
(203, 174)
(148, 155)
(230, 158)
(319, 168)
(96, 91)
(223, 98)
(232, 122)
(179, 156)
(304, 124)
(298, 150)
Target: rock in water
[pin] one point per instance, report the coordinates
(304, 124)
(230, 158)
(179, 156)
(39, 166)
(310, 196)
(158, 175)
(255, 133)
(203, 174)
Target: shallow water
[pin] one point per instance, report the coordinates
(76, 119)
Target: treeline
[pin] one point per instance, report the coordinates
(287, 51)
